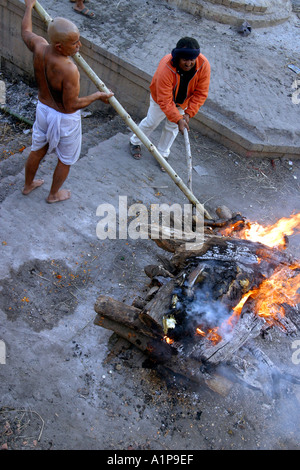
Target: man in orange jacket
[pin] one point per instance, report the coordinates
(178, 89)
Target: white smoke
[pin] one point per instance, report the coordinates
(208, 312)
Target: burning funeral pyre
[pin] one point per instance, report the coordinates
(205, 305)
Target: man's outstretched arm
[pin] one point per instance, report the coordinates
(31, 39)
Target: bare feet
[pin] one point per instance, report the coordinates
(32, 186)
(61, 195)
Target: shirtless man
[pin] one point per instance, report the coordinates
(58, 121)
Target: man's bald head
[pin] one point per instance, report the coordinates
(60, 29)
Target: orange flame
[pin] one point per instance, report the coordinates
(212, 334)
(269, 298)
(168, 340)
(273, 293)
(281, 288)
(272, 236)
(200, 332)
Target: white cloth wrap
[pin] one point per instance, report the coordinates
(61, 131)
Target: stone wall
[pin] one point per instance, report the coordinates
(16, 60)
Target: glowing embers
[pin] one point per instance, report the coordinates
(168, 340)
(211, 334)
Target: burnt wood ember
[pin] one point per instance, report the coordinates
(190, 322)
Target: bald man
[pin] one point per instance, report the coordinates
(58, 121)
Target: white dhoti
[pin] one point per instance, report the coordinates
(61, 131)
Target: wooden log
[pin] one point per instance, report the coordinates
(144, 327)
(157, 349)
(118, 311)
(109, 316)
(168, 245)
(128, 316)
(160, 304)
(238, 250)
(142, 331)
(164, 357)
(225, 248)
(247, 327)
(168, 238)
(293, 314)
(135, 326)
(153, 270)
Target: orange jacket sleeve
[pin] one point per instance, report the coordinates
(165, 84)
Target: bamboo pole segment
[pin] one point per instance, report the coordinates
(188, 158)
(129, 121)
(42, 13)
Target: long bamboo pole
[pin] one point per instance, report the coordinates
(188, 158)
(129, 121)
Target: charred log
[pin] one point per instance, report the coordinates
(133, 325)
(187, 323)
(228, 249)
(247, 328)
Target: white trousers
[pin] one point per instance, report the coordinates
(169, 132)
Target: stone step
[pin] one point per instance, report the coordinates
(259, 13)
(296, 6)
(256, 6)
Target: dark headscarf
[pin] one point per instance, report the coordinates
(186, 48)
(185, 53)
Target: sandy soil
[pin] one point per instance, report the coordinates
(66, 383)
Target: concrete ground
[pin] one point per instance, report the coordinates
(64, 385)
